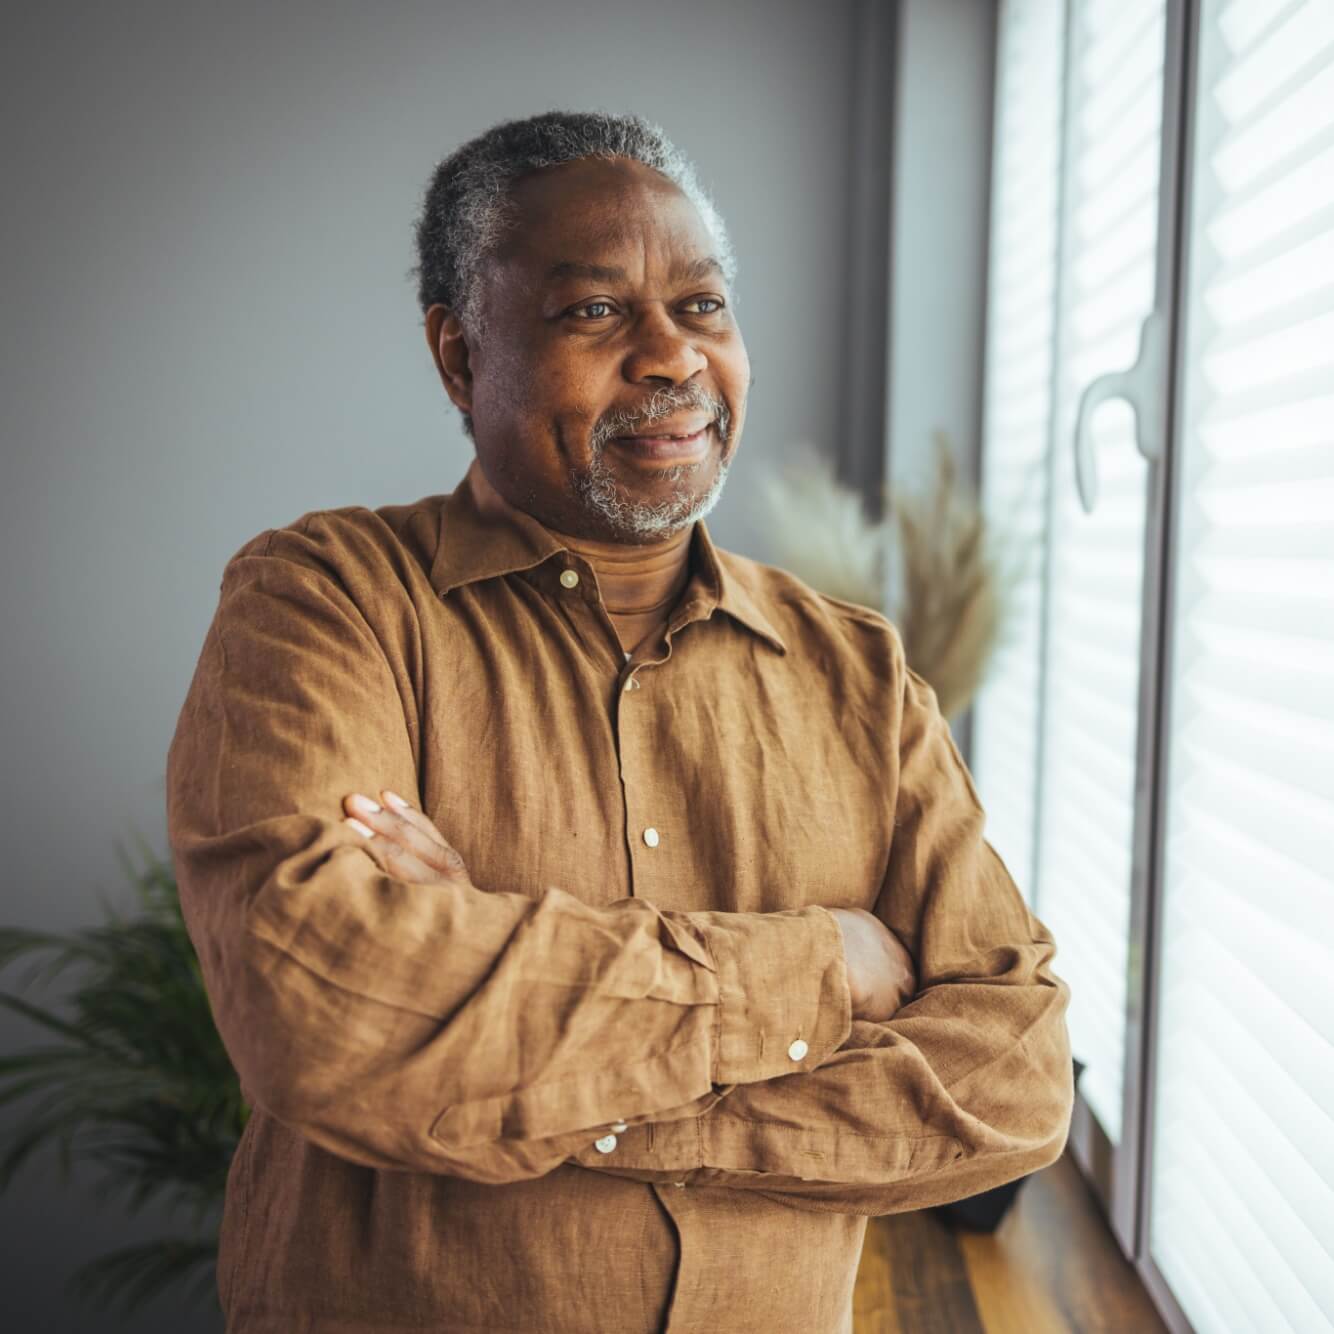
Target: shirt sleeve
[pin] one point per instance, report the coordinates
(479, 1032)
(969, 1086)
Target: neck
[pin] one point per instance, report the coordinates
(640, 583)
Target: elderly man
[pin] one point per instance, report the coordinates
(601, 923)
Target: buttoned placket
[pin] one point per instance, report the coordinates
(572, 583)
(578, 582)
(644, 829)
(642, 838)
(581, 583)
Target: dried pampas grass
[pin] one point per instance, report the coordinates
(821, 533)
(931, 565)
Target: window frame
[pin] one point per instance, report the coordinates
(1120, 1173)
(1180, 89)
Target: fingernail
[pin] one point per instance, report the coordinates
(395, 800)
(356, 824)
(364, 803)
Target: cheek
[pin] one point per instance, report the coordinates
(732, 367)
(550, 382)
(581, 389)
(540, 414)
(734, 379)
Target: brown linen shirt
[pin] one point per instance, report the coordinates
(617, 1088)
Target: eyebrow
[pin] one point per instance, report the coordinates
(567, 268)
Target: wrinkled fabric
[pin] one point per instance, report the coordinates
(439, 1074)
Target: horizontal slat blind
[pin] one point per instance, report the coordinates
(1095, 561)
(1017, 396)
(1242, 1178)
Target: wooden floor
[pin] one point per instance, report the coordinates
(1051, 1267)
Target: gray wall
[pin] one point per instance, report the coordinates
(209, 329)
(941, 198)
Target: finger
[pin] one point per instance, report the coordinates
(375, 846)
(431, 851)
(391, 857)
(412, 815)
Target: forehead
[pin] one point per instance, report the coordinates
(595, 208)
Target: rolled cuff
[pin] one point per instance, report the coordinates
(784, 1002)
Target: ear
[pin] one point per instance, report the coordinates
(449, 348)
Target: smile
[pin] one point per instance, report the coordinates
(667, 448)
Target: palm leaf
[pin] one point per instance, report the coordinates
(80, 1036)
(132, 1080)
(127, 1279)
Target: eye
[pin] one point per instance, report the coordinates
(711, 305)
(591, 310)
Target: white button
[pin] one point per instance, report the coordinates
(570, 578)
(632, 683)
(620, 1126)
(678, 1183)
(798, 1049)
(651, 837)
(606, 1144)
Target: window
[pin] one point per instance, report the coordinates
(1016, 411)
(1155, 746)
(1077, 258)
(1242, 1219)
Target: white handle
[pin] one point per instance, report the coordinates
(1143, 386)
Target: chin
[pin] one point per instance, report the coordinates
(628, 518)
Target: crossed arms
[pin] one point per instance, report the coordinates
(437, 1027)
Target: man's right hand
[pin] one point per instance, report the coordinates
(881, 975)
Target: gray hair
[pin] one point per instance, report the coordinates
(467, 205)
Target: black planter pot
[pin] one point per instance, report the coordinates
(983, 1213)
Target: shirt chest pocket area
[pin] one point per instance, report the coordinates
(779, 827)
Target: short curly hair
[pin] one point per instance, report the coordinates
(466, 205)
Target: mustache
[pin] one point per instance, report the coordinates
(662, 403)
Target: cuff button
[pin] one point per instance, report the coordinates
(798, 1049)
(606, 1144)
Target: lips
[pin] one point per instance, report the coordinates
(667, 447)
(674, 428)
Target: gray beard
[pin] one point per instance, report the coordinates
(598, 490)
(596, 486)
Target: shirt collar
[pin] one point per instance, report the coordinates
(473, 546)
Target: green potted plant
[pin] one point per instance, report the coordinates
(130, 1079)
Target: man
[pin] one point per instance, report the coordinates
(601, 923)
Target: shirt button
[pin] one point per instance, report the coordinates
(632, 683)
(651, 836)
(678, 1183)
(606, 1144)
(620, 1126)
(570, 578)
(798, 1049)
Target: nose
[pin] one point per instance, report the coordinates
(661, 352)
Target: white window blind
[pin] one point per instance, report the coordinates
(1095, 562)
(1021, 311)
(1242, 1175)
